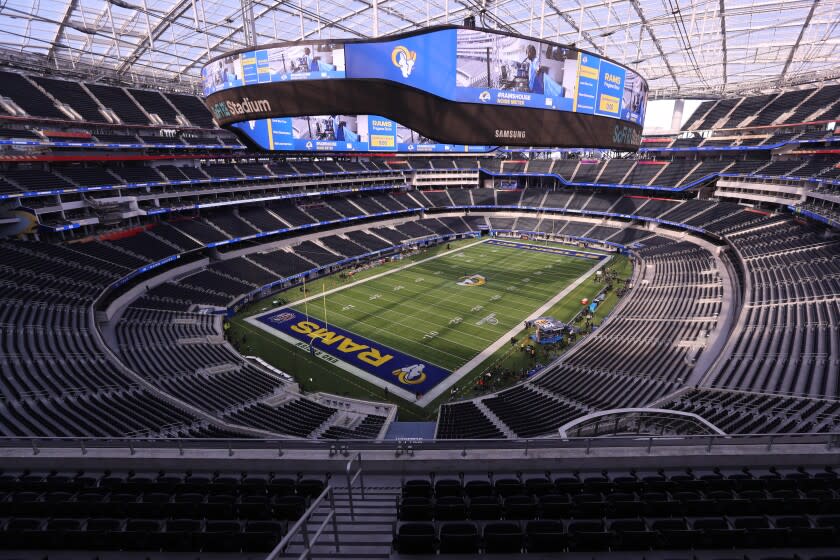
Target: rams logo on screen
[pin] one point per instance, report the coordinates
(411, 375)
(363, 352)
(403, 59)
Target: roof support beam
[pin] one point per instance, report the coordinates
(249, 30)
(723, 41)
(793, 49)
(647, 27)
(579, 28)
(177, 11)
(71, 7)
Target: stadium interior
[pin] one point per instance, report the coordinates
(695, 415)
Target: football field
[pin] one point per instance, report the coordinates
(412, 327)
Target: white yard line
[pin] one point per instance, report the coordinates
(375, 276)
(458, 374)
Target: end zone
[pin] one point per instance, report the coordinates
(404, 375)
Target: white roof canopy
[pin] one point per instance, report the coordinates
(684, 48)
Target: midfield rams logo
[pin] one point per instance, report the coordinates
(411, 375)
(473, 280)
(403, 59)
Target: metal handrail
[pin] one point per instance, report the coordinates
(351, 480)
(831, 440)
(302, 526)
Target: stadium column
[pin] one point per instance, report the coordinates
(676, 118)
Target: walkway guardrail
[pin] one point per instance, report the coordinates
(351, 480)
(302, 527)
(280, 446)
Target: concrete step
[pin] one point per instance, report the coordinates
(346, 518)
(376, 539)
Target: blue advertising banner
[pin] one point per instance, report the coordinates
(382, 133)
(401, 370)
(424, 62)
(610, 89)
(587, 85)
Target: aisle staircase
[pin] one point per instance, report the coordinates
(362, 517)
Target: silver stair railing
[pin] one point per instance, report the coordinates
(302, 527)
(351, 480)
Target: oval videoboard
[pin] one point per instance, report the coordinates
(458, 86)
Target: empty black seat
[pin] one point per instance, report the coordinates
(448, 487)
(509, 487)
(180, 535)
(803, 534)
(103, 534)
(520, 507)
(589, 534)
(187, 506)
(140, 534)
(262, 536)
(254, 507)
(716, 533)
(416, 509)
(546, 536)
(19, 533)
(417, 489)
(675, 533)
(485, 508)
(501, 537)
(538, 486)
(475, 488)
(555, 506)
(588, 505)
(311, 488)
(458, 538)
(62, 534)
(623, 504)
(450, 508)
(632, 534)
(289, 507)
(281, 487)
(415, 538)
(220, 536)
(219, 506)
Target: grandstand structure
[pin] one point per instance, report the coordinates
(701, 417)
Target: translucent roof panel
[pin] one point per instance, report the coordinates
(685, 48)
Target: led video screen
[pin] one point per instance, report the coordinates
(344, 133)
(306, 61)
(457, 64)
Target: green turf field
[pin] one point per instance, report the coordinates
(315, 374)
(424, 312)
